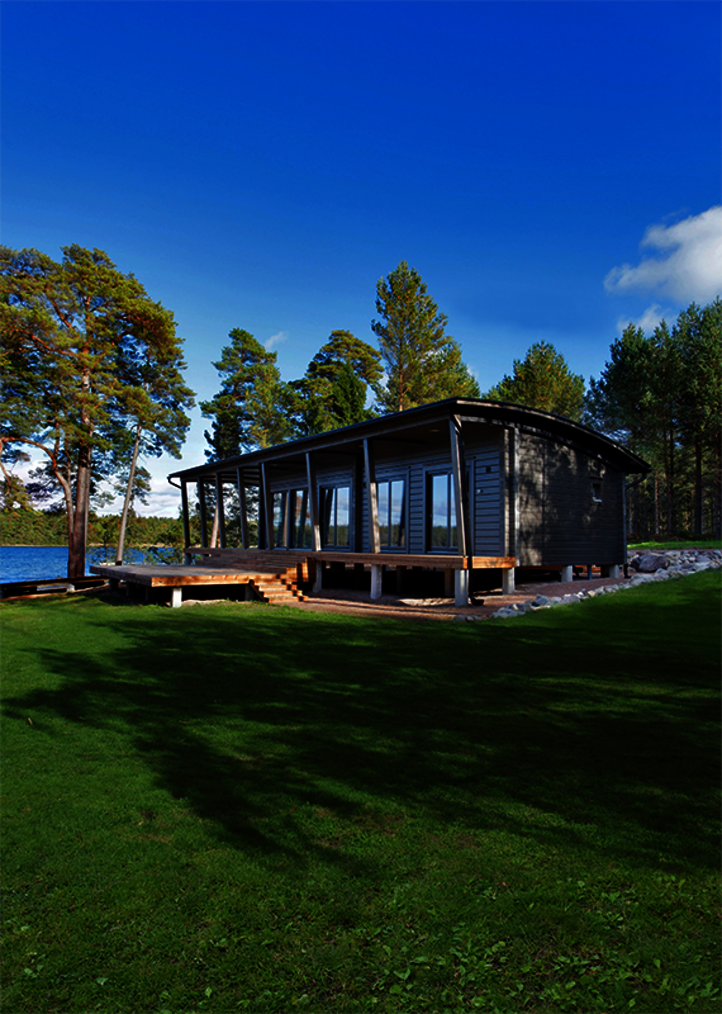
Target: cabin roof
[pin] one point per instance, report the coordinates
(418, 425)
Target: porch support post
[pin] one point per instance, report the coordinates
(373, 502)
(242, 507)
(221, 510)
(377, 572)
(507, 581)
(186, 524)
(461, 587)
(204, 516)
(567, 573)
(267, 506)
(313, 504)
(176, 597)
(459, 476)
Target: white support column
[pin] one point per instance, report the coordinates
(377, 572)
(461, 587)
(567, 574)
(318, 579)
(176, 597)
(507, 581)
(610, 570)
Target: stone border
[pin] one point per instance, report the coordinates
(671, 563)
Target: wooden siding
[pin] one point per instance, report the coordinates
(560, 520)
(487, 501)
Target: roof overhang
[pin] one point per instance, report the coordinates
(418, 425)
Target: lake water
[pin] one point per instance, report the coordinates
(29, 563)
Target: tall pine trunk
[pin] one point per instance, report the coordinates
(78, 529)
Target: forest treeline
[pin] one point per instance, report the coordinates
(50, 528)
(661, 396)
(93, 381)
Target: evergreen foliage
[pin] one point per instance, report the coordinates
(335, 389)
(249, 410)
(544, 381)
(91, 369)
(661, 396)
(422, 362)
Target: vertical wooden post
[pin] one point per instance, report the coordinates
(373, 500)
(221, 510)
(459, 479)
(204, 516)
(313, 503)
(186, 524)
(242, 508)
(267, 507)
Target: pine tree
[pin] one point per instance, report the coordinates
(422, 362)
(73, 334)
(543, 380)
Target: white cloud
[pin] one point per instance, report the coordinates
(163, 501)
(686, 263)
(652, 316)
(275, 339)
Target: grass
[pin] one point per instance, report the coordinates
(242, 808)
(661, 544)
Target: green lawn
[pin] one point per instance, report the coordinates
(663, 544)
(244, 808)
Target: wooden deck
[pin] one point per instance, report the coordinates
(275, 576)
(279, 586)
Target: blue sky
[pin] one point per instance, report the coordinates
(551, 169)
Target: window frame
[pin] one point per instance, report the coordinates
(449, 548)
(388, 546)
(328, 524)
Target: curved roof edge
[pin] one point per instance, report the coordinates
(466, 409)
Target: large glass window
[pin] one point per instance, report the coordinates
(300, 521)
(392, 513)
(335, 513)
(442, 520)
(291, 523)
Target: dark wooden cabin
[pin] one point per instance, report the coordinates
(458, 485)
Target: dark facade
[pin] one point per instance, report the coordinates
(458, 484)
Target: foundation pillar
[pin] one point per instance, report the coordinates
(507, 581)
(377, 573)
(461, 587)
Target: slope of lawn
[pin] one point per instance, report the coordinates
(244, 808)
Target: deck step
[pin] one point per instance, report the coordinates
(277, 589)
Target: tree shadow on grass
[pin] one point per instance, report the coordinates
(595, 727)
